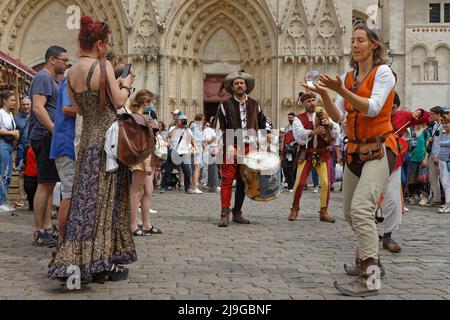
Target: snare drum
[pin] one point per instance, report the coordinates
(261, 173)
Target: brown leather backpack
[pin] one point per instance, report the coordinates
(136, 131)
(136, 138)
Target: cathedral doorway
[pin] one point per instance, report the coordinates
(213, 95)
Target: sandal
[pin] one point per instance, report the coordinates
(117, 273)
(138, 232)
(153, 230)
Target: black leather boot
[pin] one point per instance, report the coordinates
(238, 218)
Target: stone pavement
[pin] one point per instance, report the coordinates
(269, 259)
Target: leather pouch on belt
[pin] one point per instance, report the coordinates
(372, 150)
(301, 155)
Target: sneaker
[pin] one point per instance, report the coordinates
(5, 208)
(197, 191)
(43, 239)
(444, 210)
(218, 189)
(291, 190)
(190, 191)
(153, 211)
(316, 190)
(423, 201)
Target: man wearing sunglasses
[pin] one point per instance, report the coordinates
(44, 97)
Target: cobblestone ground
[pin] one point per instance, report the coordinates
(269, 259)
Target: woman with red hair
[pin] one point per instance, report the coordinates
(97, 235)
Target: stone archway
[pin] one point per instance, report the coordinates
(24, 27)
(191, 26)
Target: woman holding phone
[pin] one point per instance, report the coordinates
(364, 98)
(97, 239)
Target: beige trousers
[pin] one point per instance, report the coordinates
(360, 203)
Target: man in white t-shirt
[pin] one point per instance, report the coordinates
(181, 145)
(211, 150)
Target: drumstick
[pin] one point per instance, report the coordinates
(421, 114)
(406, 124)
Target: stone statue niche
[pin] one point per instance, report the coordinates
(431, 71)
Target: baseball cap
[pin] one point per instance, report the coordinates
(177, 112)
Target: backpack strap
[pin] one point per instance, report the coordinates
(102, 84)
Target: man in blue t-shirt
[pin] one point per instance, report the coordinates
(22, 124)
(62, 151)
(44, 97)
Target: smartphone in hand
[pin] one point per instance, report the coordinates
(126, 70)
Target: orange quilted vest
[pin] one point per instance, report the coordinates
(360, 126)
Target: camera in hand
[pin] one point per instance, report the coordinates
(289, 149)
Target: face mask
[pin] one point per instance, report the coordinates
(148, 109)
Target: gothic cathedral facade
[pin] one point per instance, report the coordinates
(181, 49)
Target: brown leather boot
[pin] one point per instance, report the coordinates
(390, 245)
(238, 218)
(367, 284)
(293, 215)
(224, 218)
(355, 270)
(325, 217)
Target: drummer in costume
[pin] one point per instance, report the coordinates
(314, 132)
(364, 97)
(241, 114)
(392, 203)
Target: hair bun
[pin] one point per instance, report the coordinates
(86, 23)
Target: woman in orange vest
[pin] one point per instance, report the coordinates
(364, 98)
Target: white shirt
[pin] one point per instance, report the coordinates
(7, 120)
(302, 135)
(111, 147)
(243, 117)
(436, 147)
(383, 85)
(184, 146)
(288, 128)
(209, 133)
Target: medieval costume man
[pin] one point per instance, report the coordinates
(315, 139)
(241, 116)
